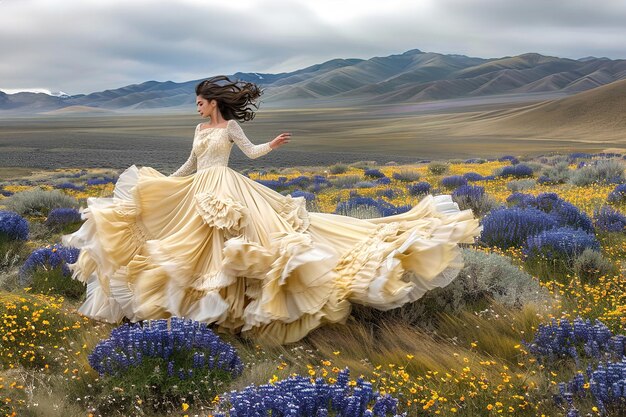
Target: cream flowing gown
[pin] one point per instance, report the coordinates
(210, 244)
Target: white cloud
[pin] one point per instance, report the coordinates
(89, 45)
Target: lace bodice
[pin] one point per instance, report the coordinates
(212, 146)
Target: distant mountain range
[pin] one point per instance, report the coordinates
(411, 77)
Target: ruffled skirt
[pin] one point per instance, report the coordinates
(221, 248)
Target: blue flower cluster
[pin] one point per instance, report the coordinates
(564, 212)
(453, 181)
(560, 243)
(517, 171)
(521, 200)
(419, 188)
(297, 396)
(12, 226)
(607, 384)
(51, 257)
(608, 155)
(579, 338)
(70, 186)
(510, 158)
(62, 217)
(564, 339)
(385, 208)
(473, 176)
(387, 192)
(307, 196)
(5, 193)
(373, 173)
(475, 161)
(299, 182)
(579, 155)
(618, 195)
(473, 192)
(101, 181)
(509, 227)
(609, 220)
(129, 344)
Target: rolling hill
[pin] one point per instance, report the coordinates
(597, 113)
(411, 77)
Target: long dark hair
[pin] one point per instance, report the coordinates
(235, 99)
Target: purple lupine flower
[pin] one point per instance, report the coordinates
(307, 196)
(473, 176)
(453, 181)
(521, 200)
(419, 188)
(513, 160)
(298, 396)
(373, 173)
(517, 171)
(55, 256)
(13, 226)
(509, 227)
(618, 195)
(608, 219)
(387, 192)
(70, 186)
(62, 217)
(101, 181)
(155, 340)
(560, 243)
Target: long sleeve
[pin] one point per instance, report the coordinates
(251, 150)
(188, 167)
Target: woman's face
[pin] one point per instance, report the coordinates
(204, 106)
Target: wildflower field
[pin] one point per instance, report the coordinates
(534, 325)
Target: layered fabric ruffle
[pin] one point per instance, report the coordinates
(220, 248)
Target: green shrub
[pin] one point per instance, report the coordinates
(407, 175)
(345, 181)
(38, 202)
(364, 184)
(338, 169)
(438, 167)
(520, 185)
(603, 171)
(557, 174)
(363, 164)
(479, 206)
(485, 278)
(591, 265)
(54, 281)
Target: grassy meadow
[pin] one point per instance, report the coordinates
(462, 128)
(508, 337)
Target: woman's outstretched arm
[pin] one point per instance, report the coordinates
(251, 150)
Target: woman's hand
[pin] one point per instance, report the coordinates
(280, 140)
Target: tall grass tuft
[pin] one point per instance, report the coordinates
(345, 181)
(407, 175)
(38, 202)
(520, 185)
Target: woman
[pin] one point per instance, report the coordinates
(215, 246)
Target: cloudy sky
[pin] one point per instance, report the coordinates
(81, 46)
